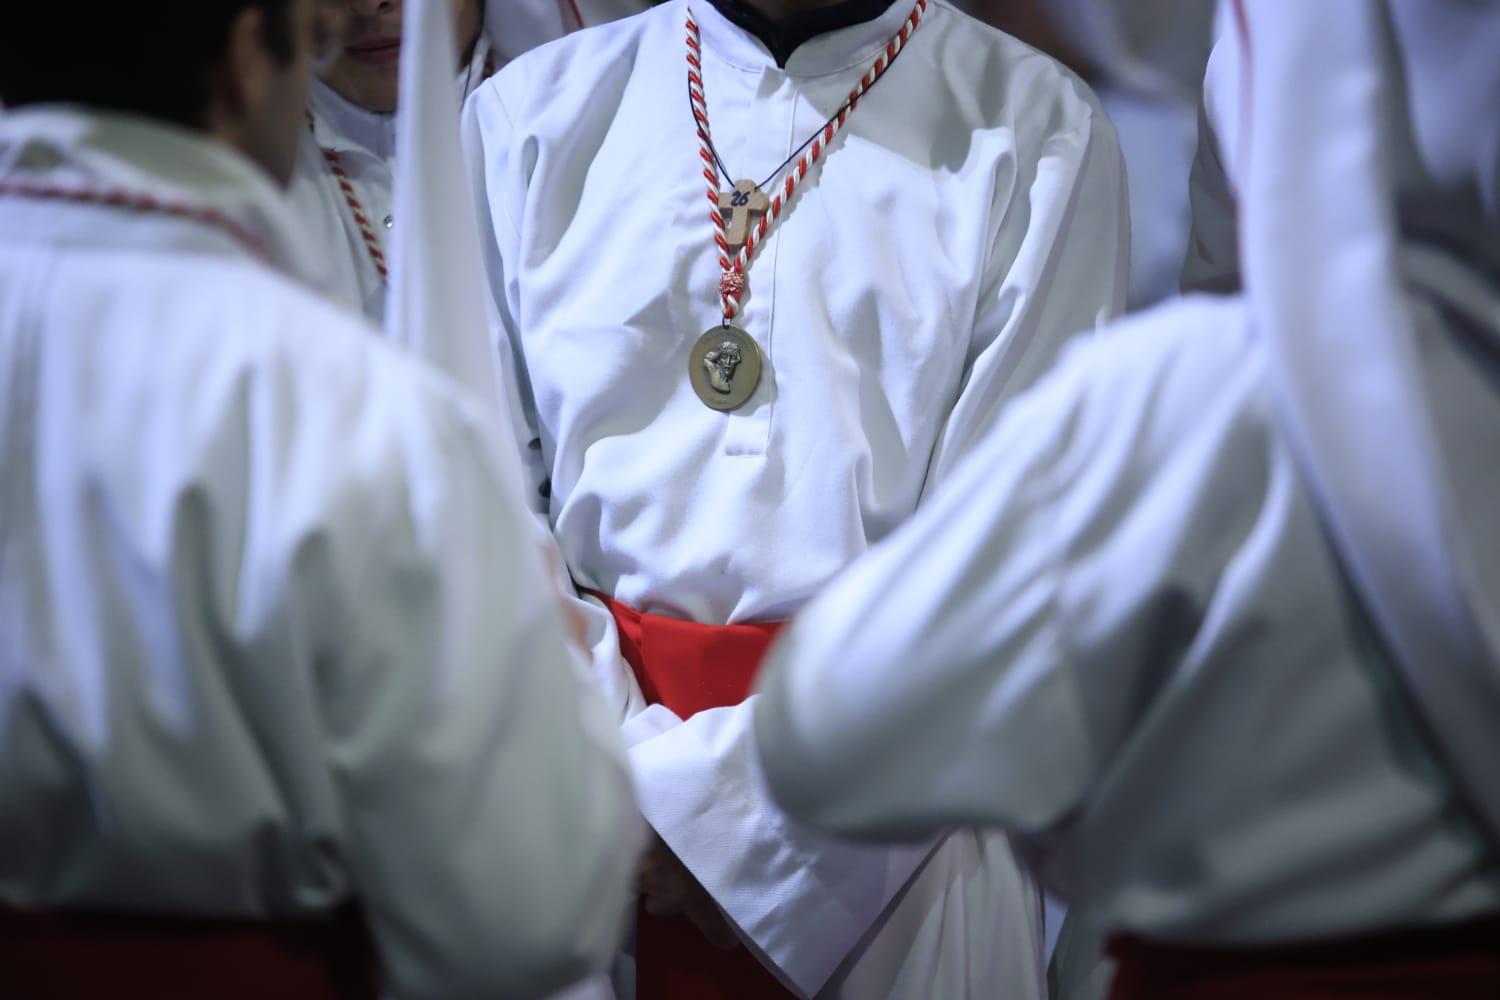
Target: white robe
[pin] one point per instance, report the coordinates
(1157, 660)
(1145, 658)
(959, 230)
(274, 634)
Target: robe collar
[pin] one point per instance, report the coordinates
(343, 126)
(817, 43)
(94, 150)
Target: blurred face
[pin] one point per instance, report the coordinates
(365, 67)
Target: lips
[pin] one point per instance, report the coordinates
(375, 51)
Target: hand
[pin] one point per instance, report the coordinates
(668, 888)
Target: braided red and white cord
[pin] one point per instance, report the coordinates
(361, 217)
(138, 202)
(732, 282)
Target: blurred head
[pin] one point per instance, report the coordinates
(364, 70)
(236, 69)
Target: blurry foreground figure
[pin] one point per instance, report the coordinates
(1213, 624)
(286, 708)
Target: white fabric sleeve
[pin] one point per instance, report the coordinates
(487, 133)
(803, 899)
(972, 581)
(983, 663)
(491, 824)
(1058, 263)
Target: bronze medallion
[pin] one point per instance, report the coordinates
(724, 367)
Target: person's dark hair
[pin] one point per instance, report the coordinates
(155, 57)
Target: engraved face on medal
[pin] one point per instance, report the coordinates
(724, 367)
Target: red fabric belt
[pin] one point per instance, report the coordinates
(1460, 962)
(690, 668)
(63, 955)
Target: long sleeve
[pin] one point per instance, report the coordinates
(1126, 637)
(491, 823)
(486, 133)
(985, 662)
(1057, 268)
(803, 898)
(953, 618)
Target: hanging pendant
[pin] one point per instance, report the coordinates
(724, 367)
(742, 206)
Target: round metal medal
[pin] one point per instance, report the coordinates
(724, 367)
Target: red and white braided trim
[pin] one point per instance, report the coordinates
(138, 202)
(732, 282)
(356, 209)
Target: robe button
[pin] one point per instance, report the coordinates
(389, 221)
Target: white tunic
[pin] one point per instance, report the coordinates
(273, 633)
(1145, 658)
(958, 231)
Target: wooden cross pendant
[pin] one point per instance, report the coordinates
(741, 206)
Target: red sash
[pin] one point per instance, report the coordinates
(1440, 963)
(62, 955)
(689, 668)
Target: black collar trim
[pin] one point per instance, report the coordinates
(782, 38)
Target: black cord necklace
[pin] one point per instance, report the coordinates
(763, 185)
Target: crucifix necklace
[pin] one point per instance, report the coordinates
(724, 365)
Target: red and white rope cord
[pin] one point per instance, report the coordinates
(138, 202)
(356, 208)
(732, 282)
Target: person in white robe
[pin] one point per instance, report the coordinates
(280, 662)
(1208, 621)
(930, 264)
(345, 175)
(346, 166)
